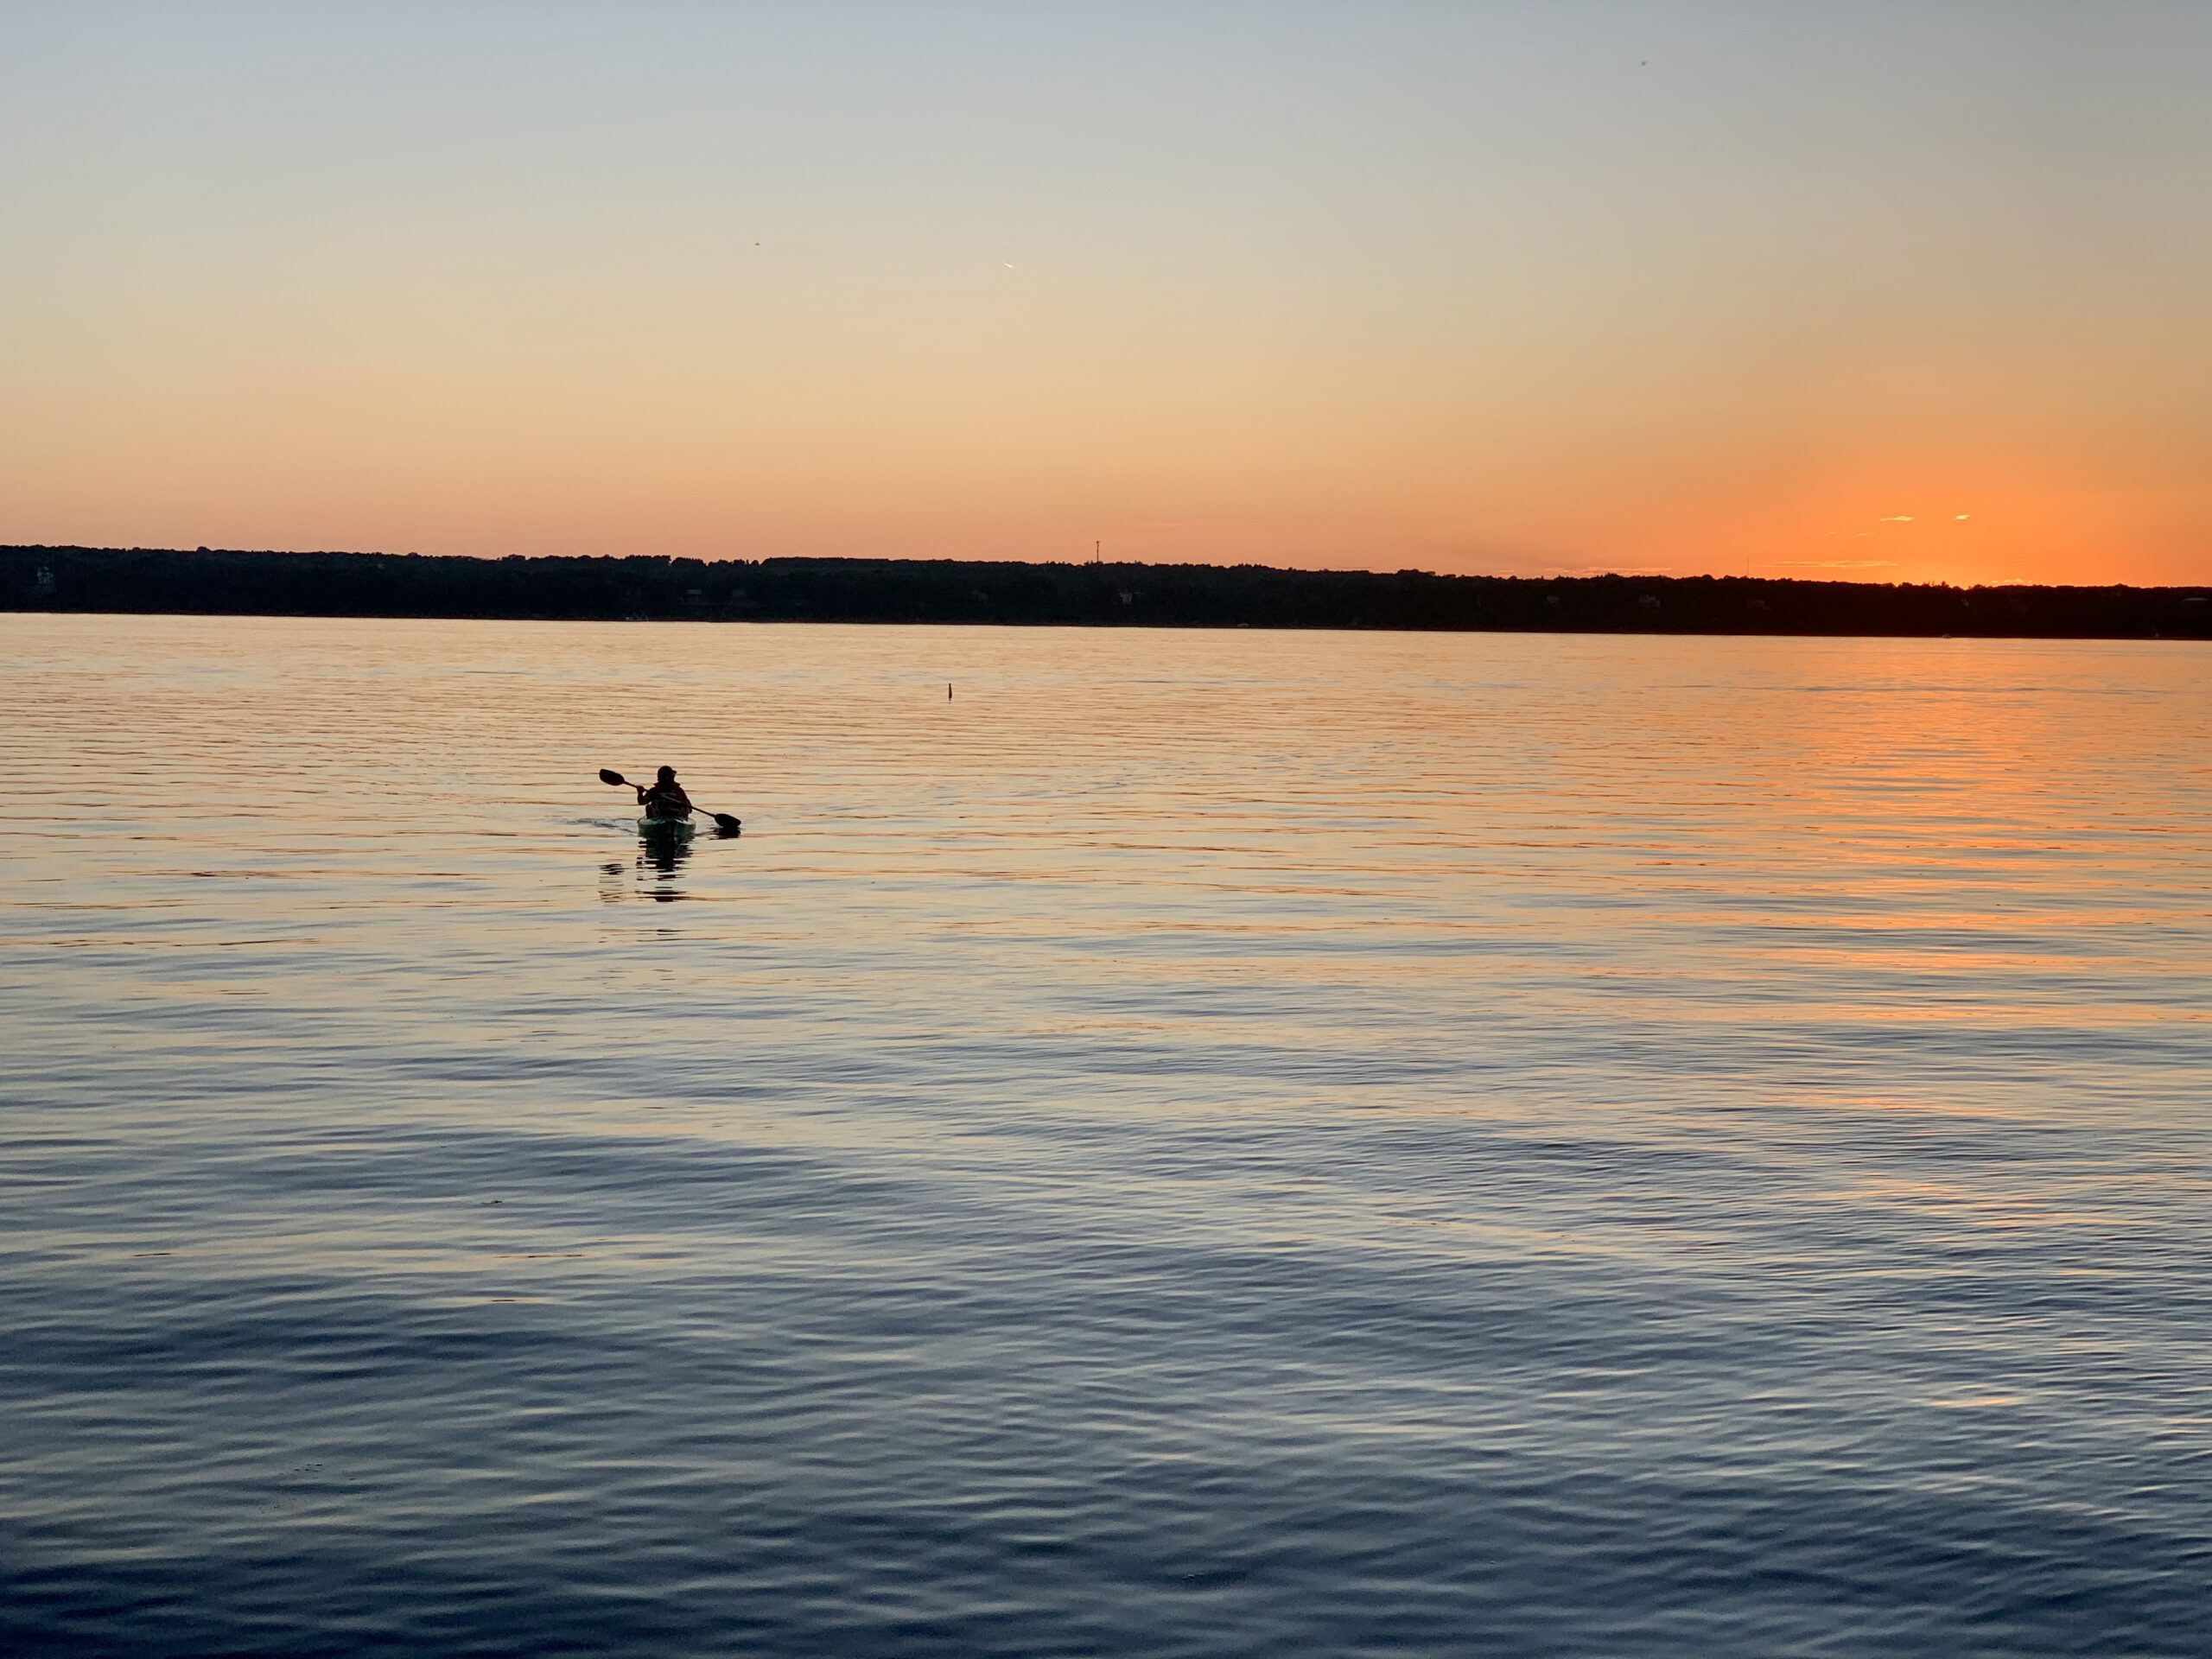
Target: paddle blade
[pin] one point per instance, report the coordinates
(726, 824)
(614, 778)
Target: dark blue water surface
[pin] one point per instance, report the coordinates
(1208, 1144)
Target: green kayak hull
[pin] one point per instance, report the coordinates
(665, 829)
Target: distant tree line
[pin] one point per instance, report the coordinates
(205, 582)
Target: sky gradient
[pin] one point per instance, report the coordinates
(1902, 292)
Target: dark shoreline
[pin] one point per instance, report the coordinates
(206, 581)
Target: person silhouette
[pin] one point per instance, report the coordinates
(666, 798)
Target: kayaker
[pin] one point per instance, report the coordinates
(666, 798)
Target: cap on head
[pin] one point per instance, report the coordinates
(668, 774)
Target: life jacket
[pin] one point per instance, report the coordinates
(667, 801)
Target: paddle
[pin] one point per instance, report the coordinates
(723, 821)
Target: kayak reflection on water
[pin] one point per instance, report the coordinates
(655, 873)
(666, 857)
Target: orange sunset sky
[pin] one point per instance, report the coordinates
(1899, 292)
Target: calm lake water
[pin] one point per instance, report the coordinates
(1200, 1144)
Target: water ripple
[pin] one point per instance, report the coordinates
(1211, 1144)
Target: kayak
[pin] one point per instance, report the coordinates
(665, 829)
